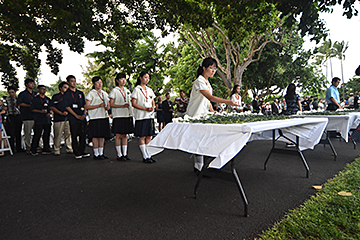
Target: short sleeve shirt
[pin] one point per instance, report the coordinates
(76, 101)
(120, 98)
(198, 103)
(26, 97)
(58, 102)
(145, 99)
(332, 92)
(97, 98)
(238, 101)
(39, 103)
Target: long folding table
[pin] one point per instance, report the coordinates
(222, 142)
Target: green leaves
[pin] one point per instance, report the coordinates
(234, 118)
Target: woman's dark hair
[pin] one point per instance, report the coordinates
(290, 92)
(119, 76)
(207, 62)
(142, 74)
(95, 79)
(234, 89)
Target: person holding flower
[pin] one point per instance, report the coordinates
(201, 98)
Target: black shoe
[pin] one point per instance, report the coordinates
(120, 158)
(34, 153)
(147, 160)
(196, 170)
(152, 159)
(104, 156)
(100, 157)
(127, 158)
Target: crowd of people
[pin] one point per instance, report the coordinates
(99, 116)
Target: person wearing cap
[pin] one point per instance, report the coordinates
(351, 100)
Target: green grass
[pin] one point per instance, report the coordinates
(327, 215)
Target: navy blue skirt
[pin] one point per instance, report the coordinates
(99, 128)
(124, 125)
(144, 128)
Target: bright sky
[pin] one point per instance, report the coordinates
(340, 28)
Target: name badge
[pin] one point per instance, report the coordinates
(74, 105)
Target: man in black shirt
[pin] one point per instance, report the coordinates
(255, 104)
(61, 122)
(75, 105)
(41, 112)
(305, 104)
(168, 110)
(24, 102)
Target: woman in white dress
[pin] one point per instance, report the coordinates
(97, 105)
(234, 96)
(144, 104)
(120, 102)
(200, 97)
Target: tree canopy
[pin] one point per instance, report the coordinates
(27, 26)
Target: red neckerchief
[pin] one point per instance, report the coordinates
(124, 96)
(143, 92)
(102, 98)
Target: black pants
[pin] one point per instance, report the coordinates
(332, 107)
(13, 129)
(78, 129)
(38, 131)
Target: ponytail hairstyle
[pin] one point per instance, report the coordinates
(207, 62)
(233, 91)
(94, 80)
(290, 92)
(142, 74)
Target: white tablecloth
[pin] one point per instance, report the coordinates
(340, 123)
(224, 141)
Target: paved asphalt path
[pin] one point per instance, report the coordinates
(58, 197)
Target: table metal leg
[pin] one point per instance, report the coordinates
(242, 192)
(327, 140)
(201, 173)
(280, 150)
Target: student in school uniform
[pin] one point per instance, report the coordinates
(98, 104)
(201, 95)
(122, 113)
(75, 106)
(61, 122)
(24, 102)
(40, 107)
(144, 104)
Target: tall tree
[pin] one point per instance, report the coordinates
(142, 52)
(339, 51)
